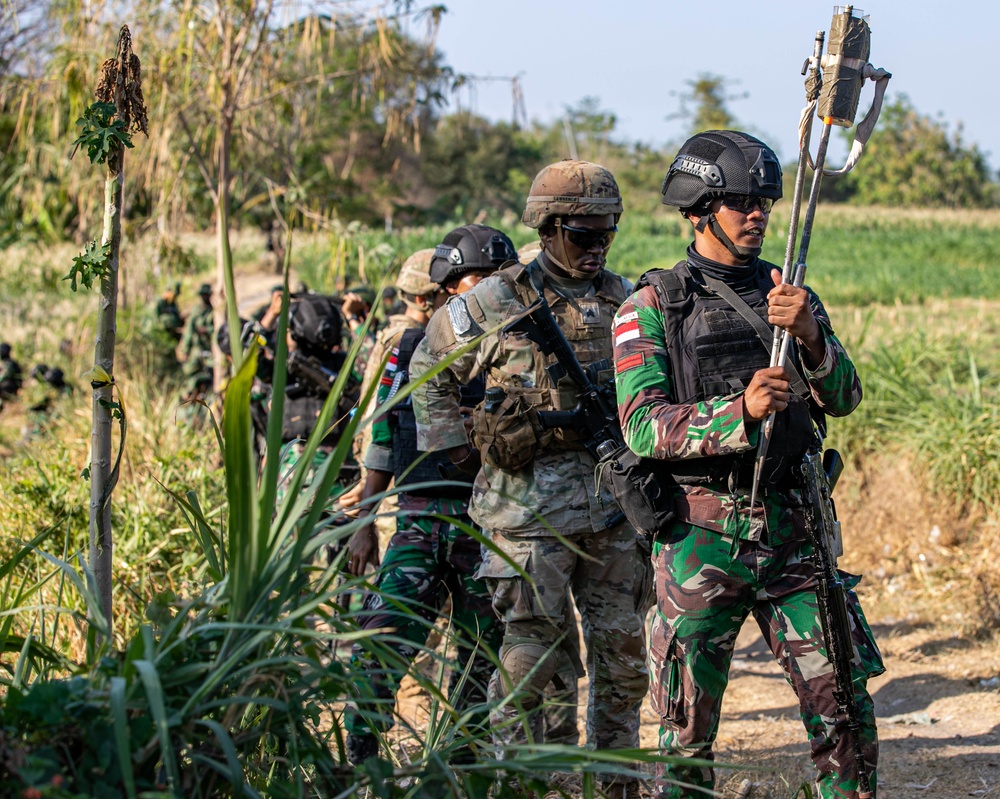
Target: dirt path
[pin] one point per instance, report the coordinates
(938, 706)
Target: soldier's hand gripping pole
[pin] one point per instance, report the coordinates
(836, 93)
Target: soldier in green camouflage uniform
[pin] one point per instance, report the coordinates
(195, 349)
(314, 331)
(694, 383)
(535, 492)
(430, 556)
(168, 315)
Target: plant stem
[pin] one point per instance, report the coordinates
(101, 541)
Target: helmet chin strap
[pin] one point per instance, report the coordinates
(574, 273)
(712, 223)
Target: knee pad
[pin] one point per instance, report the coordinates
(528, 664)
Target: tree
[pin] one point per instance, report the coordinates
(106, 131)
(471, 165)
(914, 160)
(591, 128)
(704, 104)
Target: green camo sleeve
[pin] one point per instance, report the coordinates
(655, 425)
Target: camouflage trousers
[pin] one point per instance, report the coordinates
(428, 558)
(602, 570)
(706, 586)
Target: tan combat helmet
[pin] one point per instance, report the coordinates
(415, 275)
(571, 188)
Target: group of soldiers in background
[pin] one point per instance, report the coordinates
(47, 384)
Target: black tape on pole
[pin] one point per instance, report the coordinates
(847, 54)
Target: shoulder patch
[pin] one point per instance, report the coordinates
(462, 323)
(626, 317)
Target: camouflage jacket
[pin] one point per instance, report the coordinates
(655, 425)
(198, 333)
(555, 492)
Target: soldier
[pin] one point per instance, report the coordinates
(535, 492)
(168, 315)
(418, 292)
(10, 374)
(694, 383)
(195, 349)
(314, 331)
(355, 307)
(428, 556)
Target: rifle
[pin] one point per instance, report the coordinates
(310, 373)
(595, 417)
(637, 484)
(819, 477)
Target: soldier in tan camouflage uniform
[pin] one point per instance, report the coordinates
(418, 292)
(534, 493)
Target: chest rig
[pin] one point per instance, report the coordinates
(717, 338)
(585, 322)
(410, 466)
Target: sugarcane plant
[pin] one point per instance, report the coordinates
(106, 132)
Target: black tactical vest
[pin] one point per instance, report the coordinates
(410, 465)
(303, 405)
(714, 351)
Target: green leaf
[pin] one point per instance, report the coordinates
(91, 263)
(101, 133)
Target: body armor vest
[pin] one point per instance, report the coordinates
(303, 405)
(585, 322)
(410, 466)
(715, 351)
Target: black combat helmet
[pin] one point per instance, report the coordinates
(222, 337)
(314, 322)
(719, 162)
(470, 248)
(55, 377)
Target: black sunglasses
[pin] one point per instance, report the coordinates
(587, 239)
(745, 203)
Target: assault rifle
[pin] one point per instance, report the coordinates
(310, 373)
(819, 476)
(637, 484)
(595, 417)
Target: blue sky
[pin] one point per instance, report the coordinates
(636, 55)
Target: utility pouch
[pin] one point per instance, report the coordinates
(507, 432)
(639, 486)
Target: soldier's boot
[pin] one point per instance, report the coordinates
(360, 747)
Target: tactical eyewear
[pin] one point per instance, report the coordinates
(587, 239)
(745, 203)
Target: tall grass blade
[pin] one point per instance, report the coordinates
(158, 710)
(119, 717)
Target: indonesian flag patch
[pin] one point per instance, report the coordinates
(390, 368)
(626, 330)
